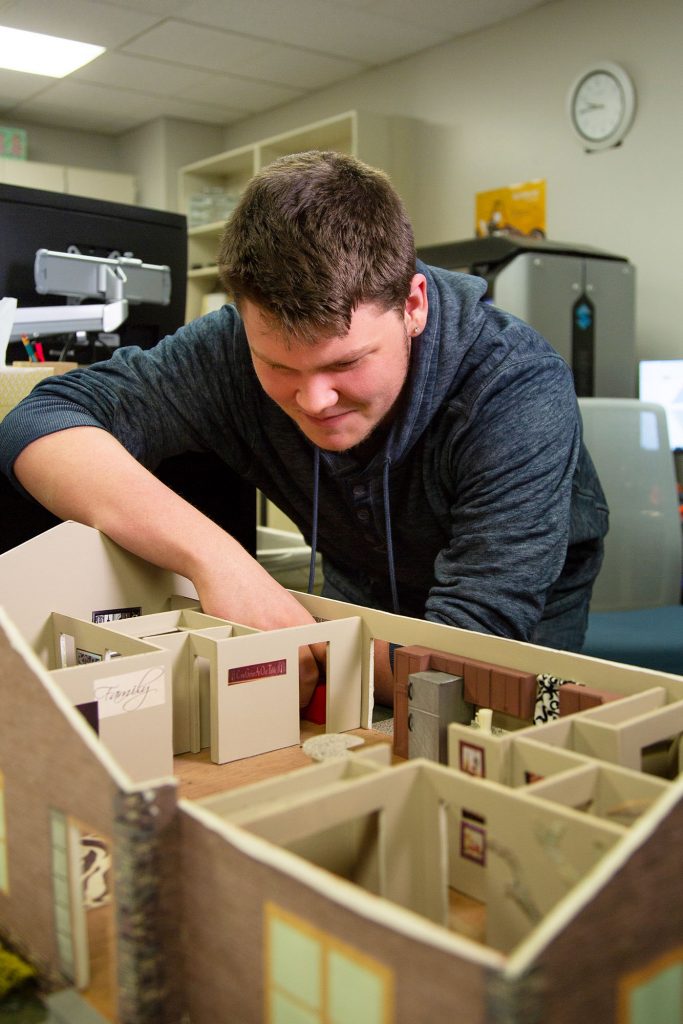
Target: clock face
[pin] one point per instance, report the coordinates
(601, 105)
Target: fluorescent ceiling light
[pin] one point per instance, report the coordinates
(39, 54)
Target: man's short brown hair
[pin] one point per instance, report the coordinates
(315, 235)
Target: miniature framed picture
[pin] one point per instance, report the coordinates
(473, 842)
(86, 657)
(472, 759)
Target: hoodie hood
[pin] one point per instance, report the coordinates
(432, 372)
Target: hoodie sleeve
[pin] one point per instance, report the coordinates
(178, 396)
(509, 466)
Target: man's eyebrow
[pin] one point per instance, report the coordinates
(264, 359)
(347, 357)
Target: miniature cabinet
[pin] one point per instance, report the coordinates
(384, 142)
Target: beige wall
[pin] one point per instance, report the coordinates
(155, 152)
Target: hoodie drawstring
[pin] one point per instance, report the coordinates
(387, 528)
(314, 531)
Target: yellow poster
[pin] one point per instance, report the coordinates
(512, 210)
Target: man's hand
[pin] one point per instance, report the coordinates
(85, 474)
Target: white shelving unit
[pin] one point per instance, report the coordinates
(385, 142)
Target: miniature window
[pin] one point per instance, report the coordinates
(4, 874)
(312, 978)
(654, 994)
(60, 892)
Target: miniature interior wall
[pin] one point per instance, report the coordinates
(121, 686)
(177, 680)
(393, 843)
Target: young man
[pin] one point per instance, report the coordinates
(429, 443)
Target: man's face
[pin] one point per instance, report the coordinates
(337, 390)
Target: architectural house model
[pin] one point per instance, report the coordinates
(534, 878)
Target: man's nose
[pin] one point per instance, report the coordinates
(315, 394)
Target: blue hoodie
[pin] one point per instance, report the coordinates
(479, 507)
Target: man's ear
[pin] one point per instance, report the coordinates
(417, 306)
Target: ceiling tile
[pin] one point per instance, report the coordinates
(313, 24)
(102, 121)
(162, 8)
(123, 106)
(15, 86)
(197, 46)
(122, 70)
(452, 18)
(299, 68)
(85, 20)
(248, 94)
(205, 113)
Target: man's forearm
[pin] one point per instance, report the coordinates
(86, 475)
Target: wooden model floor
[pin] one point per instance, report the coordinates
(466, 916)
(199, 777)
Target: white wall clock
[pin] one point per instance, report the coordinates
(601, 105)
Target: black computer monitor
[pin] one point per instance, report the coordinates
(32, 219)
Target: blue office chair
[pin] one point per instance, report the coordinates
(636, 616)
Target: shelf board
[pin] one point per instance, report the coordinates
(201, 272)
(201, 230)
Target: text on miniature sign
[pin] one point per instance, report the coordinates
(119, 695)
(264, 670)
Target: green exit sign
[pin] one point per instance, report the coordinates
(13, 143)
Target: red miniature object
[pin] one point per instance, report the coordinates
(315, 710)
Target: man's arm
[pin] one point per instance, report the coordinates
(85, 474)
